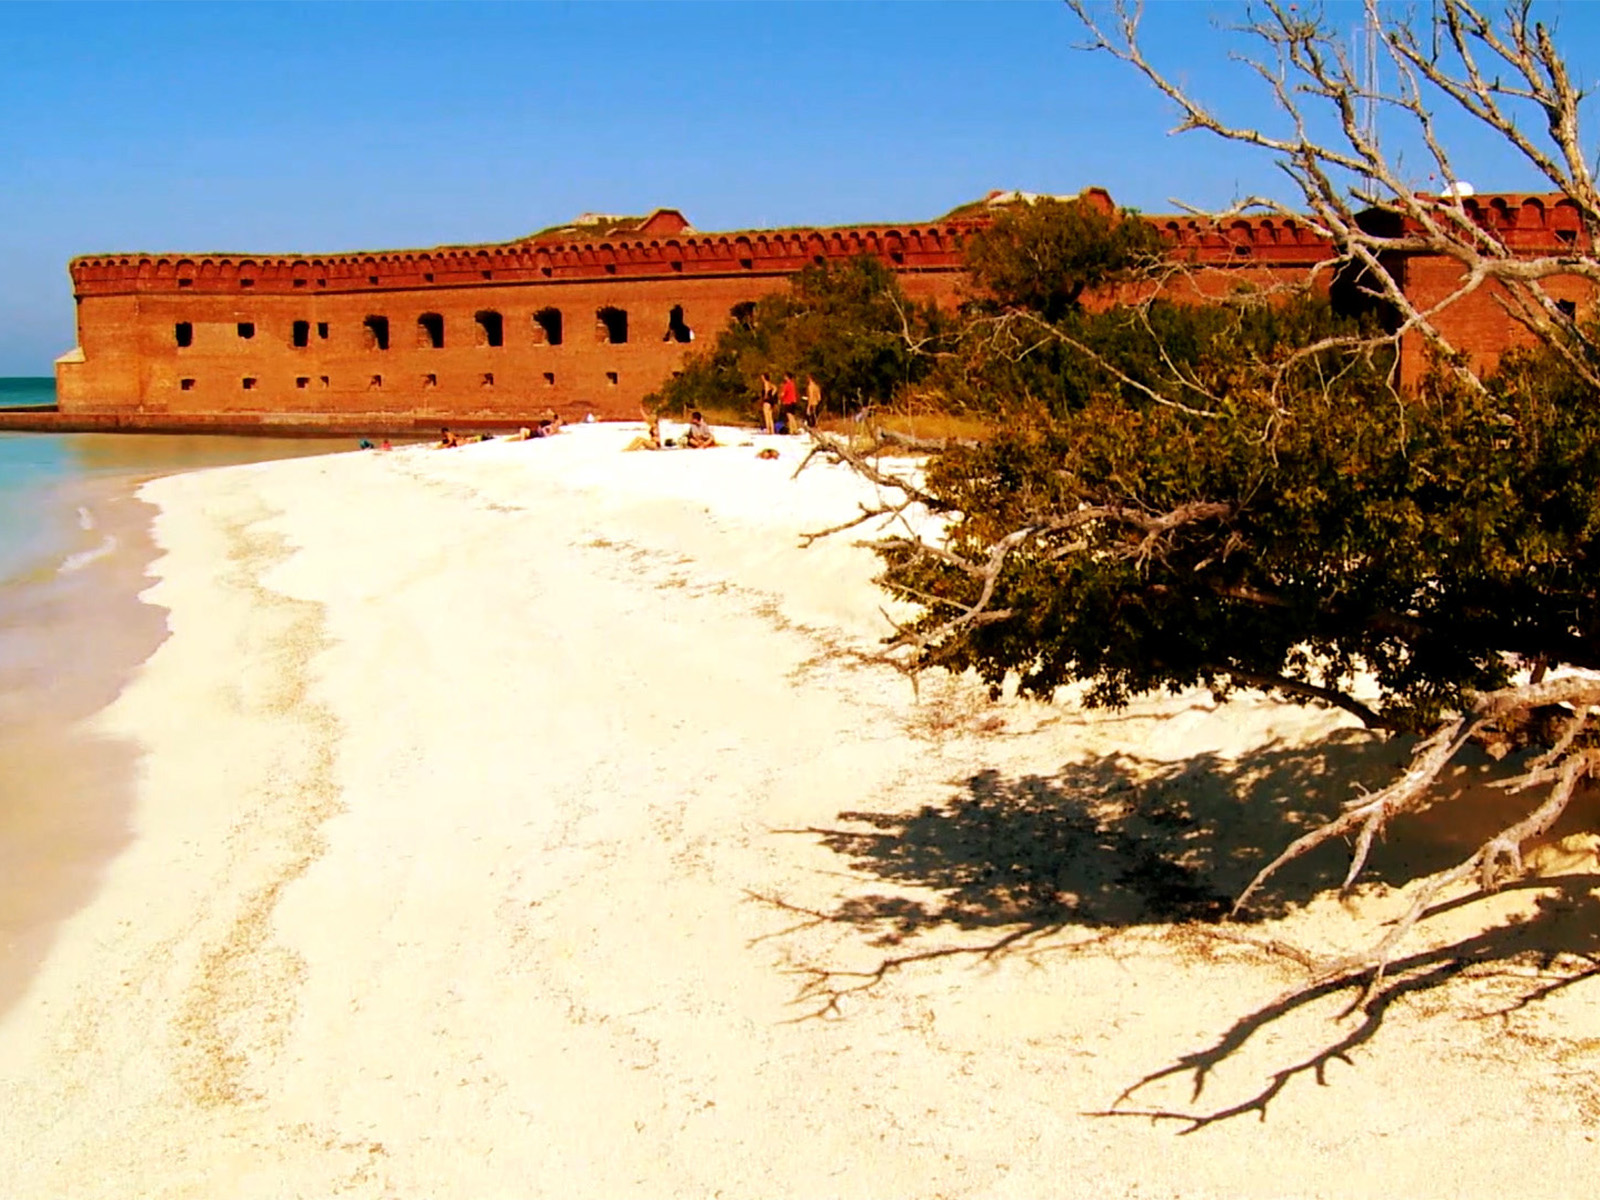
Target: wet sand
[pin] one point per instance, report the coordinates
(68, 644)
(73, 630)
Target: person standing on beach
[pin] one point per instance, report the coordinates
(813, 401)
(788, 401)
(769, 396)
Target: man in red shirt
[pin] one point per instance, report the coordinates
(788, 401)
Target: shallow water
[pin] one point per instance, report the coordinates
(74, 551)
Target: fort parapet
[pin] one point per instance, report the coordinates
(586, 318)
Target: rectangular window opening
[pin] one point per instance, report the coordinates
(322, 381)
(491, 328)
(549, 379)
(185, 283)
(611, 378)
(430, 331)
(301, 336)
(430, 381)
(377, 332)
(487, 379)
(375, 382)
(611, 325)
(547, 327)
(248, 383)
(183, 333)
(186, 385)
(299, 283)
(302, 382)
(322, 330)
(247, 283)
(247, 329)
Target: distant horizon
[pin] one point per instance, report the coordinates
(164, 128)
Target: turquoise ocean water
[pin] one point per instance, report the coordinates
(43, 477)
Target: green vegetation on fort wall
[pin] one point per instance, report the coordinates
(850, 325)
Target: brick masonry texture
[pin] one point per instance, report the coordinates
(406, 340)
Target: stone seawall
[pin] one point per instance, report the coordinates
(296, 425)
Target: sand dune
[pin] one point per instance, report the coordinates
(515, 821)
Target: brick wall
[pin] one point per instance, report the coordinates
(414, 334)
(293, 339)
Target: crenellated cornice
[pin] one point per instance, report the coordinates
(1527, 222)
(933, 247)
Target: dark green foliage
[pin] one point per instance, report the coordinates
(1019, 366)
(1232, 494)
(850, 325)
(1042, 257)
(1426, 538)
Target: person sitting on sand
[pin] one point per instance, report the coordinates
(651, 439)
(699, 435)
(447, 440)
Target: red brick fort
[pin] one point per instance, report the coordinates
(589, 317)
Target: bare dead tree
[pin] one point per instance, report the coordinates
(1506, 73)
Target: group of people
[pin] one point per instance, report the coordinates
(697, 437)
(780, 404)
(547, 426)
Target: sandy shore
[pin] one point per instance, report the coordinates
(515, 821)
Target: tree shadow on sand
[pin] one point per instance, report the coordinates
(1118, 843)
(1561, 943)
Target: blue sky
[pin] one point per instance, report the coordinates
(323, 127)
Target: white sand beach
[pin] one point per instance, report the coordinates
(517, 821)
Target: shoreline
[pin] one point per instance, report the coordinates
(74, 638)
(517, 820)
(74, 631)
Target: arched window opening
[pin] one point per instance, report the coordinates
(491, 328)
(247, 329)
(377, 332)
(547, 326)
(430, 331)
(301, 337)
(611, 325)
(183, 333)
(677, 328)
